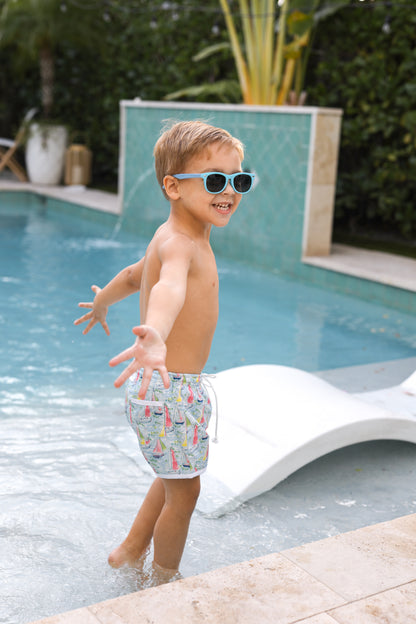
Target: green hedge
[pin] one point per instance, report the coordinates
(147, 52)
(364, 61)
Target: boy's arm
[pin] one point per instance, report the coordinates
(121, 286)
(166, 300)
(167, 296)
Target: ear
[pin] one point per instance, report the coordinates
(171, 185)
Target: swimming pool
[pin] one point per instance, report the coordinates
(70, 490)
(49, 262)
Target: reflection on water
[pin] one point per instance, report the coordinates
(69, 479)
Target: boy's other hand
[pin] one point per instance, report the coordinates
(149, 353)
(98, 314)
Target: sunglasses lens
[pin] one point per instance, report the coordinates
(215, 182)
(242, 183)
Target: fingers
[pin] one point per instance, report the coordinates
(125, 375)
(147, 376)
(82, 319)
(90, 317)
(89, 326)
(164, 375)
(127, 354)
(149, 353)
(85, 304)
(135, 366)
(139, 330)
(122, 378)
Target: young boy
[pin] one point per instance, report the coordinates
(198, 168)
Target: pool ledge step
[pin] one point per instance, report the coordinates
(376, 266)
(366, 576)
(80, 195)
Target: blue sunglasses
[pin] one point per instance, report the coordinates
(215, 182)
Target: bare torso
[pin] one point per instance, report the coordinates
(189, 342)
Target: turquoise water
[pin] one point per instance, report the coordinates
(48, 264)
(69, 484)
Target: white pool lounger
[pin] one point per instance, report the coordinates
(274, 420)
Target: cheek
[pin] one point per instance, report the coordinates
(237, 201)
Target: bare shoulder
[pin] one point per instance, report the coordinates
(176, 245)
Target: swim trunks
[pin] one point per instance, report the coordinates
(171, 423)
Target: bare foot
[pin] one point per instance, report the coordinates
(125, 556)
(163, 575)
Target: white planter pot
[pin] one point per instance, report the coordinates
(45, 153)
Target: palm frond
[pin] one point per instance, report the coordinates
(226, 91)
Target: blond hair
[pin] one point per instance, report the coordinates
(183, 140)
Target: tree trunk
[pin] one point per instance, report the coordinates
(47, 73)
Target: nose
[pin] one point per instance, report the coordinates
(228, 188)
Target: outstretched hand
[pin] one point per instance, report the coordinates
(148, 352)
(98, 314)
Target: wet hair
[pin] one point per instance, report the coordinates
(181, 141)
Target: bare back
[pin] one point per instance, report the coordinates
(189, 341)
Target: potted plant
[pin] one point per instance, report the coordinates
(37, 28)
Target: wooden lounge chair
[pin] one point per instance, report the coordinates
(9, 147)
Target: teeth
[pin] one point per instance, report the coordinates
(222, 206)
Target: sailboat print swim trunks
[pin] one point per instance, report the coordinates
(171, 424)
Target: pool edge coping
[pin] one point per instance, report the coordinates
(308, 583)
(93, 199)
(374, 266)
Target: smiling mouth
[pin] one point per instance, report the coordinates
(223, 207)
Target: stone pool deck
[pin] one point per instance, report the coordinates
(367, 576)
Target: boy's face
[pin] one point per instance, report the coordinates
(214, 209)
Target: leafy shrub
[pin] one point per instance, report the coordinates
(364, 61)
(147, 53)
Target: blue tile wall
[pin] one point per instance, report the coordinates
(267, 229)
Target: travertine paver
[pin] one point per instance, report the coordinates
(376, 266)
(363, 562)
(367, 576)
(396, 606)
(322, 618)
(91, 198)
(254, 591)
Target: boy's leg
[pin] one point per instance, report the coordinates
(140, 534)
(171, 529)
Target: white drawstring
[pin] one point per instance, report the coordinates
(205, 381)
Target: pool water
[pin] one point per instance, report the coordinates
(70, 485)
(48, 264)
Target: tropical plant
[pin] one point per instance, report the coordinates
(37, 28)
(146, 51)
(372, 78)
(270, 46)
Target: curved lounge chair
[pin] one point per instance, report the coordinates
(8, 149)
(274, 419)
